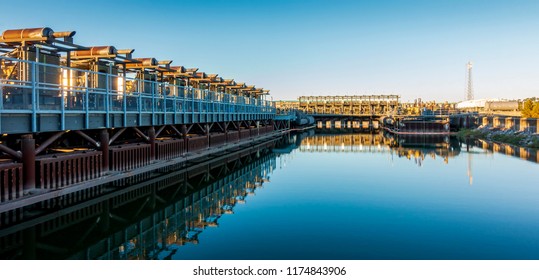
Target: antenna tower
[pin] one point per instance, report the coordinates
(469, 82)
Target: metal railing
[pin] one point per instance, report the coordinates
(28, 87)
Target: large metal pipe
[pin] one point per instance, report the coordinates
(95, 51)
(164, 62)
(125, 51)
(27, 34)
(63, 34)
(147, 61)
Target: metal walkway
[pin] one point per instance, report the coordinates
(70, 102)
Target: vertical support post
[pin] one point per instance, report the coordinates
(34, 97)
(139, 102)
(174, 104)
(164, 93)
(63, 110)
(152, 83)
(151, 138)
(104, 141)
(107, 96)
(28, 149)
(192, 105)
(124, 96)
(86, 101)
(183, 131)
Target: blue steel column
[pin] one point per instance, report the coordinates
(153, 102)
(107, 96)
(174, 105)
(86, 102)
(139, 102)
(34, 97)
(124, 98)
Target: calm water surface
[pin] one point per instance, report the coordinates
(354, 197)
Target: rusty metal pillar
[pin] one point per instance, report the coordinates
(183, 131)
(151, 140)
(28, 149)
(104, 142)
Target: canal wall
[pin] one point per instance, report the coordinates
(510, 123)
(77, 173)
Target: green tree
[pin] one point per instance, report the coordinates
(527, 108)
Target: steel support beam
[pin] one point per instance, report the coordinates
(87, 138)
(49, 141)
(115, 136)
(14, 154)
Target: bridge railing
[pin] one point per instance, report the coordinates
(33, 88)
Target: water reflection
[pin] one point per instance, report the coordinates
(416, 148)
(148, 220)
(413, 147)
(162, 216)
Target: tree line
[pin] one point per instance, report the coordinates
(530, 109)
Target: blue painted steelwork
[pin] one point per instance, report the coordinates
(71, 103)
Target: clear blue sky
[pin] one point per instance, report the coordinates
(412, 48)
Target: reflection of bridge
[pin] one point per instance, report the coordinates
(146, 220)
(368, 143)
(411, 147)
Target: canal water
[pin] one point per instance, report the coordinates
(315, 196)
